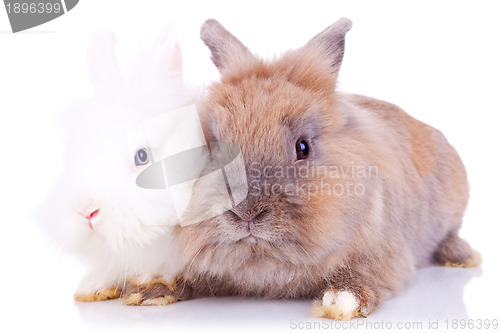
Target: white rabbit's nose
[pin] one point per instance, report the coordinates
(91, 216)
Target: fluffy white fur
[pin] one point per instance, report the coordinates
(131, 234)
(344, 300)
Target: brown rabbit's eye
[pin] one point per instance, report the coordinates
(302, 149)
(141, 157)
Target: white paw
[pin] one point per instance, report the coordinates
(337, 305)
(344, 300)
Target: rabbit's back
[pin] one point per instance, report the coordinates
(431, 177)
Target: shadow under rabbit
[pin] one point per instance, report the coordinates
(435, 293)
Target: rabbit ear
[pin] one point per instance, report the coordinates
(225, 48)
(165, 54)
(103, 66)
(330, 42)
(162, 61)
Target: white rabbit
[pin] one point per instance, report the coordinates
(121, 232)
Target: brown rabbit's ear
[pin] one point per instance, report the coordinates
(226, 49)
(330, 42)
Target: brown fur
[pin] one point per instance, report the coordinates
(307, 244)
(422, 141)
(155, 292)
(455, 252)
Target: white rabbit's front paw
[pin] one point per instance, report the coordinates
(99, 295)
(336, 305)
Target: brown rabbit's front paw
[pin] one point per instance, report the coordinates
(337, 305)
(98, 296)
(156, 292)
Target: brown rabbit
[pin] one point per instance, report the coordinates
(348, 195)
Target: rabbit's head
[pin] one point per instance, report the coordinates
(301, 157)
(96, 205)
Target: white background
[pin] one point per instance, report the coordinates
(439, 60)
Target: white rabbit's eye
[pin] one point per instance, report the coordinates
(141, 157)
(302, 149)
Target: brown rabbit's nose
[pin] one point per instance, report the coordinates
(249, 218)
(90, 216)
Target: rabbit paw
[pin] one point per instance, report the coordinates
(156, 292)
(337, 305)
(138, 299)
(98, 296)
(456, 252)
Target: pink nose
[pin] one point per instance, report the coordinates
(90, 216)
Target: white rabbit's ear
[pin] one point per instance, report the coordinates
(105, 73)
(330, 43)
(225, 48)
(161, 62)
(165, 53)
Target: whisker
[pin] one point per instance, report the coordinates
(196, 255)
